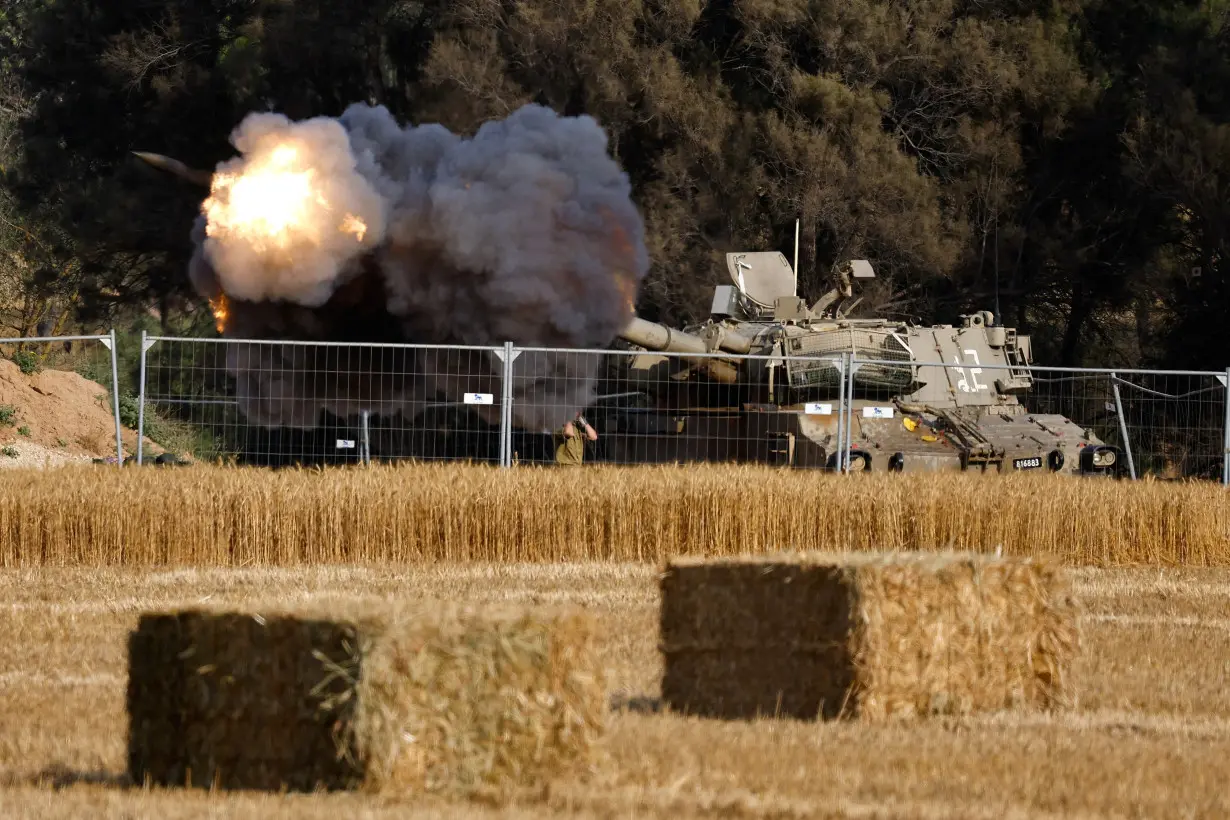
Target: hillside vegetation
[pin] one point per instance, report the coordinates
(1061, 161)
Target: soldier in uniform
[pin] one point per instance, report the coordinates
(569, 446)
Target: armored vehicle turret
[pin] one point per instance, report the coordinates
(766, 377)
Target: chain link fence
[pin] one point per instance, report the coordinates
(283, 403)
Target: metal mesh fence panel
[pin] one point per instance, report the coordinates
(274, 403)
(284, 403)
(1166, 424)
(668, 408)
(109, 378)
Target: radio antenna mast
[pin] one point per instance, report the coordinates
(999, 321)
(796, 256)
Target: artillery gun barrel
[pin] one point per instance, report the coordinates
(661, 338)
(173, 166)
(654, 336)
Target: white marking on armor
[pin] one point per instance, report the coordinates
(968, 382)
(903, 343)
(974, 371)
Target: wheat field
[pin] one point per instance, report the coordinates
(219, 517)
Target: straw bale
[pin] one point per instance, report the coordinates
(869, 636)
(490, 704)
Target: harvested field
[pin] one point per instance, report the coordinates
(213, 516)
(1148, 735)
(403, 699)
(870, 636)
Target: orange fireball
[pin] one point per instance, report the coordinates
(220, 307)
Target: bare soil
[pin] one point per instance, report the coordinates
(1149, 737)
(59, 417)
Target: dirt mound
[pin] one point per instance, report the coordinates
(57, 417)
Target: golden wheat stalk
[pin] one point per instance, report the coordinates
(216, 516)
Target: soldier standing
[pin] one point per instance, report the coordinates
(569, 446)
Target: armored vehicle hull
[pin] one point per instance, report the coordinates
(792, 436)
(766, 380)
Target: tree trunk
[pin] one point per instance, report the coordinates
(164, 309)
(1143, 321)
(1077, 317)
(807, 258)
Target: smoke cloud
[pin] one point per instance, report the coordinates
(357, 229)
(283, 220)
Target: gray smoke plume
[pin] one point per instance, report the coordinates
(356, 229)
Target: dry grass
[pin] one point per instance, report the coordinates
(394, 699)
(1148, 737)
(868, 636)
(247, 517)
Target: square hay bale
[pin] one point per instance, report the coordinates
(869, 636)
(486, 704)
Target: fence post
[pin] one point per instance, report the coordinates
(507, 356)
(1225, 455)
(1123, 431)
(115, 401)
(365, 454)
(141, 401)
(841, 408)
(849, 442)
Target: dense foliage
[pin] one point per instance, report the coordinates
(1063, 160)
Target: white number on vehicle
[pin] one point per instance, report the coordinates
(968, 383)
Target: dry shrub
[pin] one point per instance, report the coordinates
(205, 516)
(489, 704)
(867, 636)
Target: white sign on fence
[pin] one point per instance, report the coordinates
(815, 408)
(345, 444)
(479, 398)
(877, 412)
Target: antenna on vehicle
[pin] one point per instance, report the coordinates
(796, 256)
(999, 322)
(740, 266)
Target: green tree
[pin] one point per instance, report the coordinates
(1061, 161)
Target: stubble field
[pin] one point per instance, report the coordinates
(1149, 735)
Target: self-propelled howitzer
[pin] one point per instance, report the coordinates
(766, 378)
